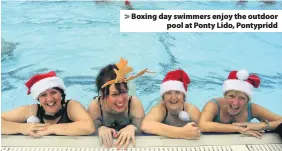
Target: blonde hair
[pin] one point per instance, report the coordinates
(236, 92)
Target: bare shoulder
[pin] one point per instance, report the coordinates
(213, 104)
(136, 107)
(219, 100)
(74, 103)
(21, 113)
(216, 101)
(135, 103)
(94, 109)
(160, 107)
(135, 100)
(258, 109)
(189, 105)
(94, 104)
(256, 106)
(94, 101)
(32, 107)
(157, 112)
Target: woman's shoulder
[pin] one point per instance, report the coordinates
(25, 110)
(216, 100)
(160, 106)
(94, 102)
(188, 105)
(213, 104)
(33, 107)
(71, 101)
(135, 101)
(73, 104)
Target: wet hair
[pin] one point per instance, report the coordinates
(106, 74)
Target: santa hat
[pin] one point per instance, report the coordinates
(42, 82)
(241, 81)
(175, 80)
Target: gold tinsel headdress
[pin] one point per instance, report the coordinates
(122, 71)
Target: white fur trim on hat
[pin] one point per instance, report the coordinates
(46, 84)
(238, 85)
(172, 85)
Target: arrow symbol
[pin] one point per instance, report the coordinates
(126, 16)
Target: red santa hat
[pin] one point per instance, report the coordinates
(175, 80)
(241, 81)
(42, 82)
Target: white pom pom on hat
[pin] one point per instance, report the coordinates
(242, 74)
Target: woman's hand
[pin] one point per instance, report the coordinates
(254, 133)
(106, 136)
(191, 131)
(124, 136)
(34, 129)
(252, 126)
(252, 129)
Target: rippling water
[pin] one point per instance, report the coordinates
(76, 39)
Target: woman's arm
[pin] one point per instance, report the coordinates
(260, 125)
(193, 112)
(82, 122)
(152, 124)
(14, 121)
(137, 113)
(274, 124)
(262, 113)
(206, 123)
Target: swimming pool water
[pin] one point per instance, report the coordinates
(77, 38)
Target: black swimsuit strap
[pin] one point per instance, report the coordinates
(65, 118)
(129, 103)
(101, 111)
(40, 113)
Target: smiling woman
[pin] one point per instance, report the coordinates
(116, 114)
(219, 114)
(54, 114)
(171, 116)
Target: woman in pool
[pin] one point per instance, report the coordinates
(219, 114)
(54, 115)
(116, 114)
(173, 116)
